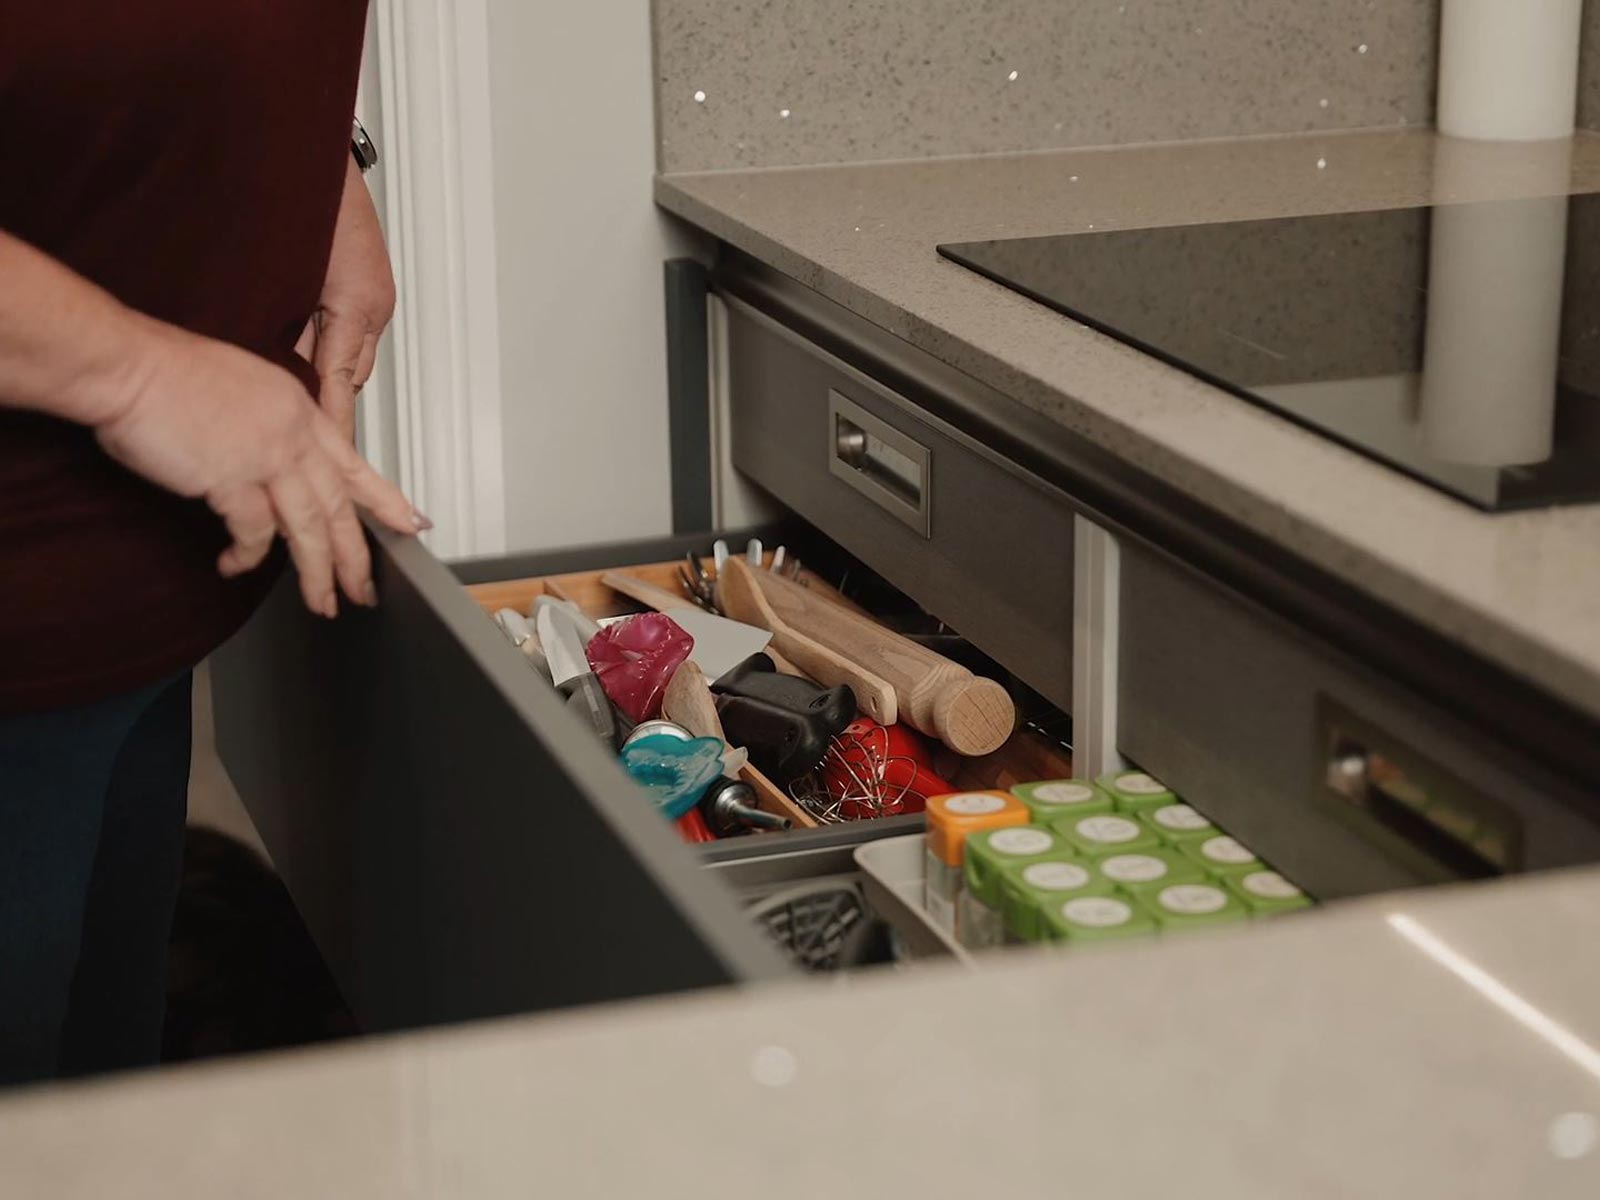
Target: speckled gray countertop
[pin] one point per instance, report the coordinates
(1434, 1045)
(1522, 589)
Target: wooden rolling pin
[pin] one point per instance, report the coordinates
(743, 600)
(972, 716)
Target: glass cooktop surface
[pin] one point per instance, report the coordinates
(1459, 344)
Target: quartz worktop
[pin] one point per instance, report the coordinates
(1437, 1043)
(1522, 589)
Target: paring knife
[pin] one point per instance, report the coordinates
(562, 637)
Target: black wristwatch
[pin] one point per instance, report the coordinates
(362, 147)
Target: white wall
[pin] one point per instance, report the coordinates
(580, 247)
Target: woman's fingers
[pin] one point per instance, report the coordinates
(306, 346)
(340, 341)
(305, 528)
(247, 512)
(365, 486)
(367, 360)
(352, 562)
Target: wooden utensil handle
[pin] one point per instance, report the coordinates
(645, 593)
(876, 698)
(970, 715)
(689, 702)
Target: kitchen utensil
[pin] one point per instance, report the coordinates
(741, 598)
(689, 587)
(719, 553)
(869, 771)
(689, 702)
(635, 659)
(757, 678)
(521, 632)
(587, 625)
(693, 829)
(699, 581)
(877, 771)
(666, 728)
(719, 644)
(972, 716)
(778, 556)
(753, 553)
(560, 635)
(783, 744)
(729, 810)
(675, 772)
(825, 925)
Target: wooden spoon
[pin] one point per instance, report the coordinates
(742, 599)
(688, 702)
(972, 716)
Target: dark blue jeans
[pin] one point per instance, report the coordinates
(92, 807)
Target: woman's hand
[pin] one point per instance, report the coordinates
(357, 304)
(207, 419)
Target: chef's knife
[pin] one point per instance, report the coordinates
(562, 638)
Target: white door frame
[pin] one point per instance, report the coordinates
(432, 419)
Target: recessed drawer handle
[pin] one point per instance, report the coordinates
(1403, 800)
(885, 465)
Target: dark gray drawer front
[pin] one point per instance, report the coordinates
(980, 546)
(1227, 705)
(457, 844)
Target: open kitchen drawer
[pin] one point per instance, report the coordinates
(459, 844)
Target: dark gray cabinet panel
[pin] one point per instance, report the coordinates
(459, 846)
(1232, 708)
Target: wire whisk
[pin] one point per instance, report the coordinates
(853, 781)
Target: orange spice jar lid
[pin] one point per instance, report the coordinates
(953, 817)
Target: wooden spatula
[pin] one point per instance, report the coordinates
(972, 716)
(688, 702)
(742, 599)
(719, 644)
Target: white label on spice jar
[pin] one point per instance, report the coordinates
(1097, 912)
(1108, 829)
(1180, 818)
(1062, 793)
(1137, 783)
(1228, 851)
(974, 804)
(1021, 841)
(1193, 899)
(1269, 885)
(1055, 876)
(1134, 868)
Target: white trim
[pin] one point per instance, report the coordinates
(1096, 588)
(438, 207)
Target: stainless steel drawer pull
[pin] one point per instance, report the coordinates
(885, 465)
(1411, 805)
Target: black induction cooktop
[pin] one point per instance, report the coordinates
(1459, 344)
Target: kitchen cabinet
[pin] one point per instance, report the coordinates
(461, 847)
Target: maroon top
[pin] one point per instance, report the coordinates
(188, 156)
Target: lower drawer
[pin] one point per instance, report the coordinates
(1347, 781)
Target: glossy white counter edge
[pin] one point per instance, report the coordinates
(1523, 589)
(1424, 1044)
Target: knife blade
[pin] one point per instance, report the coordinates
(562, 637)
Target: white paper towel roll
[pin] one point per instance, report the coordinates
(1490, 361)
(1508, 69)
